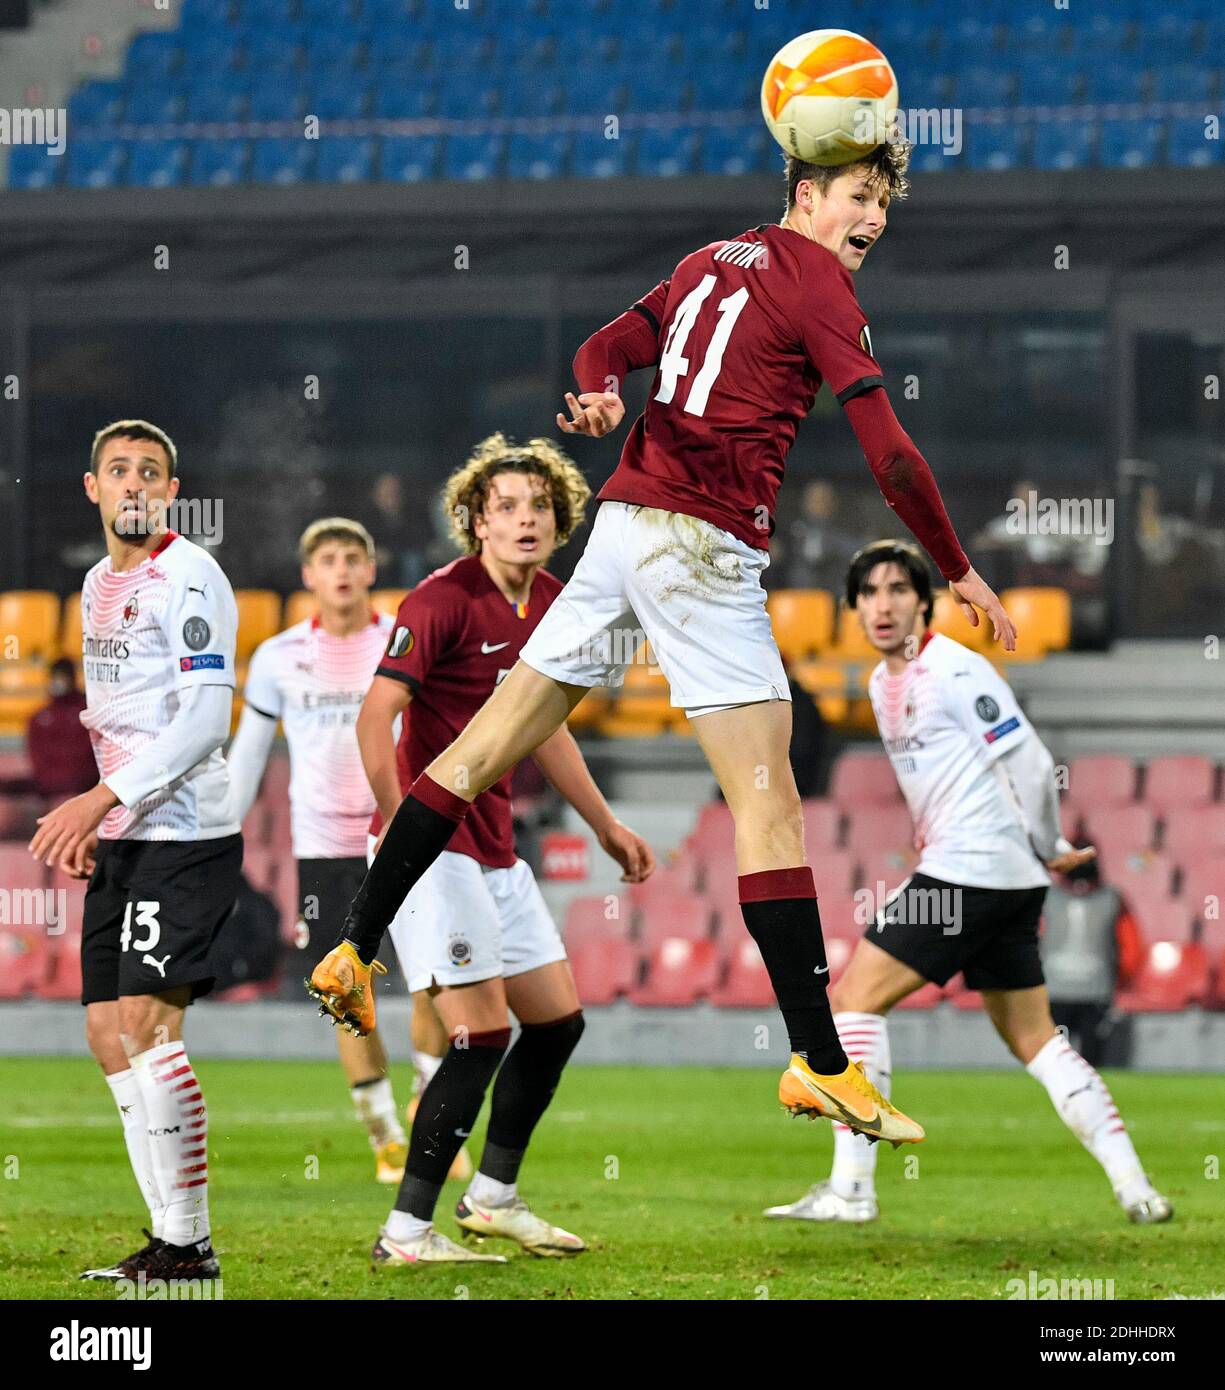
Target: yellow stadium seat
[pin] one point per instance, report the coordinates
(299, 606)
(803, 621)
(827, 682)
(950, 621)
(70, 627)
(591, 709)
(259, 617)
(1043, 619)
(644, 705)
(23, 691)
(850, 643)
(29, 625)
(388, 600)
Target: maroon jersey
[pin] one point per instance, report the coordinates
(455, 636)
(746, 331)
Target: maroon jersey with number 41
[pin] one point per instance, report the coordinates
(456, 635)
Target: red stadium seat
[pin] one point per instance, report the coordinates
(962, 998)
(685, 915)
(666, 882)
(842, 916)
(925, 997)
(748, 982)
(822, 820)
(1101, 780)
(596, 919)
(604, 970)
(1174, 783)
(833, 872)
(1160, 917)
(1147, 873)
(1216, 999)
(878, 829)
(19, 870)
(864, 779)
(1203, 889)
(887, 868)
(1173, 976)
(838, 953)
(679, 973)
(1120, 830)
(1192, 833)
(23, 960)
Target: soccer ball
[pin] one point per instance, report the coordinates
(829, 97)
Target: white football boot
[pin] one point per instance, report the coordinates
(516, 1222)
(822, 1203)
(430, 1248)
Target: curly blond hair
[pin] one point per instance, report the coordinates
(467, 489)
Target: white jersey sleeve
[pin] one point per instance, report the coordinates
(263, 690)
(985, 706)
(201, 626)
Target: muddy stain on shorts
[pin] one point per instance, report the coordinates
(690, 559)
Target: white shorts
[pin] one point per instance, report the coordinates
(463, 922)
(690, 588)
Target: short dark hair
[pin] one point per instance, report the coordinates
(903, 553)
(886, 165)
(133, 429)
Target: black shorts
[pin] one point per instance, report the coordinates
(938, 928)
(152, 912)
(326, 889)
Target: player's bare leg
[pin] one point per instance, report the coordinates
(430, 1042)
(747, 748)
(1022, 1017)
(520, 714)
(873, 982)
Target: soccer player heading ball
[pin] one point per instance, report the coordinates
(741, 337)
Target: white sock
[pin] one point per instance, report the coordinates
(864, 1039)
(135, 1135)
(376, 1109)
(177, 1126)
(402, 1225)
(425, 1064)
(1085, 1105)
(489, 1192)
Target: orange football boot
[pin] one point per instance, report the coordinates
(849, 1098)
(341, 983)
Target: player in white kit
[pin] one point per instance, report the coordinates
(313, 677)
(981, 790)
(156, 836)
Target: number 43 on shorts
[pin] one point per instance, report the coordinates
(146, 921)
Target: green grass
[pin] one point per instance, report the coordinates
(663, 1171)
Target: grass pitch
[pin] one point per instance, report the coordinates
(663, 1171)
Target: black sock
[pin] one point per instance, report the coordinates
(419, 832)
(780, 910)
(445, 1115)
(523, 1090)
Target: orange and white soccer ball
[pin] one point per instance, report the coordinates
(829, 97)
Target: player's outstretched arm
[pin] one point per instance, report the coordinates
(906, 481)
(594, 413)
(561, 760)
(247, 758)
(603, 362)
(385, 701)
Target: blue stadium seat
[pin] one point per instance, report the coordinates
(1189, 146)
(1104, 38)
(339, 100)
(931, 159)
(34, 166)
(274, 51)
(922, 88)
(156, 163)
(204, 14)
(1127, 144)
(346, 159)
(409, 158)
(1162, 36)
(463, 101)
(1048, 84)
(283, 160)
(991, 146)
(1114, 82)
(1063, 145)
(153, 56)
(596, 98)
(712, 43)
(536, 96)
(330, 50)
(402, 102)
(219, 162)
(214, 100)
(1184, 82)
(537, 156)
(336, 13)
(96, 103)
(155, 104)
(215, 51)
(388, 14)
(667, 153)
(94, 163)
(266, 14)
(390, 48)
(462, 53)
(735, 149)
(473, 156)
(592, 156)
(981, 84)
(275, 99)
(656, 88)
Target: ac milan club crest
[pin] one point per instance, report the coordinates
(131, 611)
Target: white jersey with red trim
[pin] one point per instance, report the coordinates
(148, 634)
(945, 720)
(314, 683)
